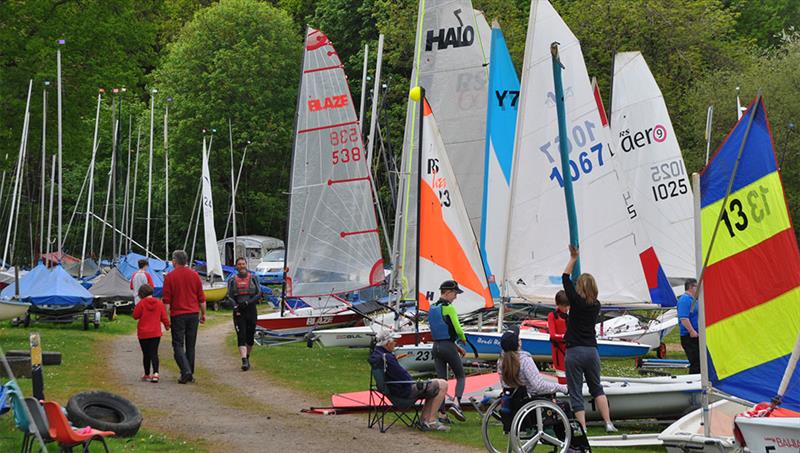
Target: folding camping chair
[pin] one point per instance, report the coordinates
(383, 403)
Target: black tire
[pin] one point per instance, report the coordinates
(104, 411)
(85, 321)
(26, 321)
(111, 312)
(20, 367)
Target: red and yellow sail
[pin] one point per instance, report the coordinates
(448, 249)
(751, 284)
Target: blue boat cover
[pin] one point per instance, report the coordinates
(57, 287)
(129, 264)
(26, 282)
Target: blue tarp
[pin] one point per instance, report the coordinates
(57, 287)
(26, 282)
(129, 264)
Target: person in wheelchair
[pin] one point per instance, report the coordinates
(517, 368)
(400, 383)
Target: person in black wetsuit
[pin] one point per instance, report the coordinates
(582, 360)
(446, 331)
(244, 292)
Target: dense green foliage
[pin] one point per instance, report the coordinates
(238, 60)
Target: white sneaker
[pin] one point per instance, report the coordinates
(610, 428)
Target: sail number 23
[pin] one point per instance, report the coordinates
(736, 217)
(345, 154)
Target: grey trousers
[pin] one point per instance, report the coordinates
(582, 362)
(445, 353)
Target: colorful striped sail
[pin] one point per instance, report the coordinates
(751, 284)
(501, 122)
(447, 246)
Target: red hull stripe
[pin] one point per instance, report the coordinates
(752, 277)
(296, 322)
(326, 127)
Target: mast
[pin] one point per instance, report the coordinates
(235, 188)
(18, 174)
(233, 191)
(150, 170)
(563, 147)
(363, 90)
(709, 121)
(61, 42)
(421, 101)
(135, 178)
(166, 177)
(91, 182)
(371, 145)
(109, 191)
(124, 227)
(44, 165)
(291, 173)
(50, 210)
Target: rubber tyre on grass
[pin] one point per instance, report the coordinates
(104, 411)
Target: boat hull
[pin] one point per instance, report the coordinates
(539, 346)
(10, 309)
(628, 328)
(215, 294)
(773, 434)
(304, 321)
(361, 337)
(686, 434)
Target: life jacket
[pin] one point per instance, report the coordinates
(244, 286)
(439, 328)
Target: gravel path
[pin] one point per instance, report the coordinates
(235, 411)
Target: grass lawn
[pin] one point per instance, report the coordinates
(323, 371)
(81, 369)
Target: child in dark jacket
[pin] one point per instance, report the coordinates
(151, 314)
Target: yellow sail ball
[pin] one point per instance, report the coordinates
(416, 94)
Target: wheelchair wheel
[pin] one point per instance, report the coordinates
(539, 422)
(494, 438)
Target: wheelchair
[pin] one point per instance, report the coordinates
(516, 422)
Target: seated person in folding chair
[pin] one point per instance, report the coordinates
(517, 368)
(400, 383)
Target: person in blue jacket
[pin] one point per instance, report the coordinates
(446, 331)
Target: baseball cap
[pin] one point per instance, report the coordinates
(450, 285)
(509, 341)
(383, 336)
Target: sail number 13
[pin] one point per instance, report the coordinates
(736, 217)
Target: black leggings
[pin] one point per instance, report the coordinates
(445, 353)
(150, 353)
(244, 322)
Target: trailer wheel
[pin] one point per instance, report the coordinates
(661, 352)
(111, 312)
(85, 321)
(26, 321)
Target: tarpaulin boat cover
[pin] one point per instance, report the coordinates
(56, 287)
(25, 283)
(112, 285)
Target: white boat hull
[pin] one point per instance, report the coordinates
(629, 328)
(10, 309)
(686, 434)
(770, 434)
(305, 320)
(418, 358)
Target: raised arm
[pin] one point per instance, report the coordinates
(573, 258)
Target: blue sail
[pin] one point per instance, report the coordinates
(500, 132)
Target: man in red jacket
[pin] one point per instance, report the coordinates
(183, 294)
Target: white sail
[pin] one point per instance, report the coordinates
(448, 249)
(538, 230)
(451, 63)
(213, 261)
(651, 164)
(333, 244)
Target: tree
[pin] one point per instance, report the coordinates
(237, 60)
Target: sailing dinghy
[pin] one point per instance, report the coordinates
(214, 286)
(749, 324)
(333, 245)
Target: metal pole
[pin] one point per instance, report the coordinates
(50, 210)
(44, 167)
(422, 101)
(166, 177)
(124, 227)
(150, 167)
(18, 173)
(135, 179)
(235, 188)
(91, 182)
(363, 89)
(60, 147)
(709, 121)
(563, 146)
(233, 191)
(109, 190)
(698, 256)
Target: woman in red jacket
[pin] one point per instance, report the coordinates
(557, 326)
(151, 314)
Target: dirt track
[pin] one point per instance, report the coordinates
(235, 411)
